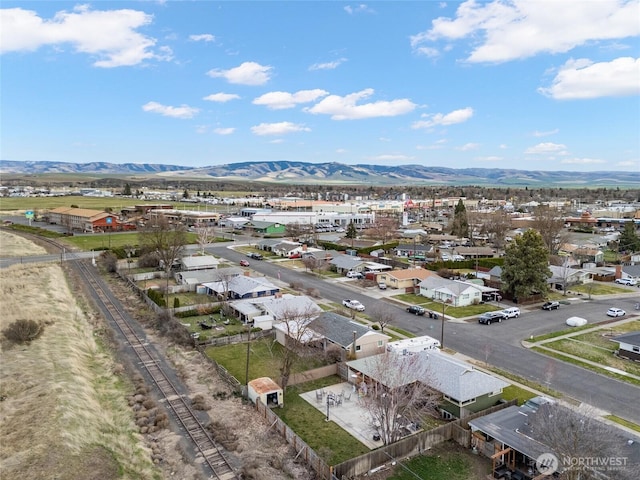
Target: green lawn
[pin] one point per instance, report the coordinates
(512, 392)
(101, 241)
(449, 311)
(264, 359)
(447, 462)
(599, 289)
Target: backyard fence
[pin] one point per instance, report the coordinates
(457, 430)
(314, 374)
(302, 449)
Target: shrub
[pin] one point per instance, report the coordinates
(22, 331)
(176, 302)
(109, 261)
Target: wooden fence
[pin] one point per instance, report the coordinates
(302, 449)
(417, 444)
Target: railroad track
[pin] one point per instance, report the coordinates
(204, 444)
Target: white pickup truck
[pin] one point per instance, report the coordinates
(354, 304)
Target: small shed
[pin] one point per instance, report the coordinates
(268, 391)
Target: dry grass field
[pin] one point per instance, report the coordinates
(65, 410)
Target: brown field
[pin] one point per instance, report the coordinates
(64, 412)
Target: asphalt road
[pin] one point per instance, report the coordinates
(499, 343)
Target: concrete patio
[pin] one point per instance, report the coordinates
(348, 415)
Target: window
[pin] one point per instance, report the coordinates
(471, 400)
(358, 348)
(380, 343)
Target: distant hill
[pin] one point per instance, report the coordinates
(338, 173)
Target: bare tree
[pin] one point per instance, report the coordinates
(383, 229)
(206, 235)
(299, 340)
(399, 394)
(383, 315)
(310, 262)
(166, 240)
(578, 439)
(550, 224)
(496, 227)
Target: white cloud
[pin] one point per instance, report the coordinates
(427, 51)
(345, 108)
(283, 100)
(108, 35)
(468, 146)
(491, 158)
(503, 146)
(582, 161)
(629, 163)
(205, 37)
(546, 148)
(341, 150)
(281, 128)
(224, 131)
(221, 97)
(538, 133)
(328, 65)
(439, 145)
(248, 73)
(582, 79)
(361, 8)
(183, 111)
(518, 29)
(451, 118)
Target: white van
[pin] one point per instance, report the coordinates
(511, 312)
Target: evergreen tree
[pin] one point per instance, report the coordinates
(460, 226)
(629, 240)
(127, 190)
(526, 266)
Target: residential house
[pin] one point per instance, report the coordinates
(631, 272)
(583, 253)
(263, 312)
(405, 279)
(329, 329)
(411, 250)
(199, 262)
(348, 263)
(564, 276)
(242, 286)
(265, 228)
(474, 252)
(465, 389)
(628, 345)
(195, 278)
(453, 292)
(510, 439)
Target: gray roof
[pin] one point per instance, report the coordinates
(196, 277)
(199, 261)
(632, 270)
(338, 329)
(346, 262)
(496, 271)
(287, 305)
(456, 379)
(243, 285)
(269, 242)
(433, 282)
(509, 426)
(632, 338)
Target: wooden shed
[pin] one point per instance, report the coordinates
(268, 391)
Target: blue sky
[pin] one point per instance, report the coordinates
(530, 85)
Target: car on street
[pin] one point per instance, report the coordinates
(255, 256)
(353, 304)
(491, 317)
(626, 281)
(416, 310)
(616, 312)
(513, 312)
(352, 274)
(244, 263)
(553, 305)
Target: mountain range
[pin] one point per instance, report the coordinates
(336, 173)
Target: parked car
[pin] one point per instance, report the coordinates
(491, 317)
(626, 281)
(616, 312)
(255, 256)
(382, 286)
(511, 312)
(553, 305)
(352, 274)
(244, 263)
(353, 304)
(416, 310)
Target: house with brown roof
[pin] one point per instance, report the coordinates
(406, 279)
